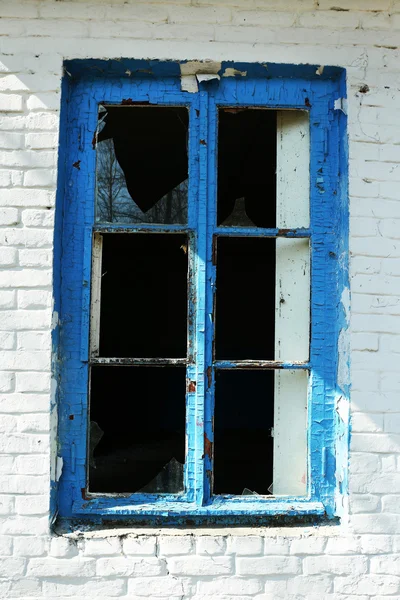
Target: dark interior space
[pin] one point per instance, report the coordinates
(137, 417)
(246, 167)
(245, 299)
(243, 446)
(144, 296)
(150, 146)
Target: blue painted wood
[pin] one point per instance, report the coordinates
(274, 86)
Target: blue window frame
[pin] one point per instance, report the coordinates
(89, 85)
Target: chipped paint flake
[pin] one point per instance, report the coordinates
(193, 67)
(59, 467)
(189, 84)
(229, 72)
(202, 77)
(342, 409)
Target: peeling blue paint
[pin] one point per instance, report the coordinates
(89, 83)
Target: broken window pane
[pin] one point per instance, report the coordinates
(142, 165)
(137, 429)
(246, 167)
(263, 168)
(260, 432)
(290, 433)
(293, 169)
(144, 295)
(244, 418)
(262, 299)
(245, 298)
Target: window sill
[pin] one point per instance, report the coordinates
(223, 511)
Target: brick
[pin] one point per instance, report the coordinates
(33, 340)
(307, 545)
(32, 504)
(11, 103)
(194, 566)
(7, 382)
(246, 545)
(30, 546)
(41, 141)
(8, 258)
(139, 545)
(335, 565)
(369, 584)
(129, 566)
(158, 587)
(102, 547)
(9, 216)
(61, 567)
(40, 178)
(35, 258)
(11, 567)
(43, 101)
(36, 217)
(70, 587)
(234, 586)
(176, 545)
(210, 545)
(269, 565)
(33, 382)
(33, 299)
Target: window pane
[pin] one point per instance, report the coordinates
(260, 432)
(263, 168)
(262, 299)
(292, 300)
(293, 169)
(243, 446)
(137, 429)
(144, 296)
(290, 433)
(246, 167)
(142, 165)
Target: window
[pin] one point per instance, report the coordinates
(202, 247)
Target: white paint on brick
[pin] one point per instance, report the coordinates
(357, 559)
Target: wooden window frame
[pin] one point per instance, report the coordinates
(77, 237)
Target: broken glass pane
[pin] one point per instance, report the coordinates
(260, 432)
(142, 165)
(263, 168)
(246, 167)
(137, 429)
(144, 295)
(262, 299)
(243, 445)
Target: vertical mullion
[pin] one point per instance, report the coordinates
(210, 291)
(197, 424)
(192, 379)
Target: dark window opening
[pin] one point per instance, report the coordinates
(142, 165)
(144, 296)
(137, 429)
(243, 445)
(245, 299)
(246, 167)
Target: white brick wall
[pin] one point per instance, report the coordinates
(358, 559)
